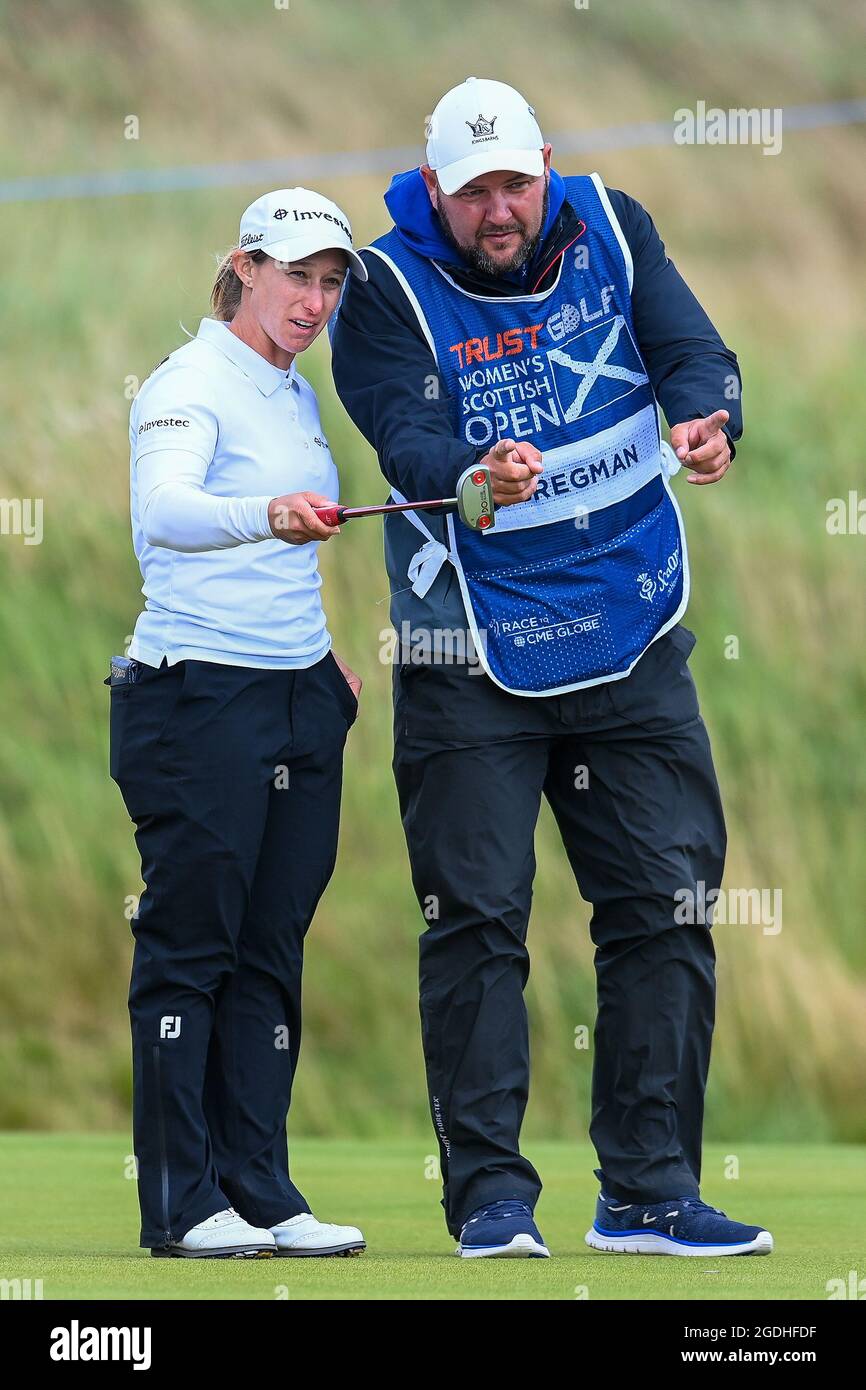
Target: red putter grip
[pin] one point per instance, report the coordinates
(331, 516)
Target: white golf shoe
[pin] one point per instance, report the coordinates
(304, 1235)
(223, 1236)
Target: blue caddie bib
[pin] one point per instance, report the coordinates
(571, 587)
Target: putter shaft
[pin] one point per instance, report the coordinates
(474, 503)
(333, 516)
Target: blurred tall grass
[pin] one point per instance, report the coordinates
(93, 294)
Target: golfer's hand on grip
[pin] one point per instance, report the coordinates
(293, 520)
(514, 470)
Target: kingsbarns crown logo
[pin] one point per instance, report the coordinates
(482, 129)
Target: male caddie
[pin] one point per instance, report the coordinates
(530, 322)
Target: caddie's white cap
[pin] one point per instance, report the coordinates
(292, 223)
(479, 126)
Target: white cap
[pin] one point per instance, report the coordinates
(292, 223)
(479, 126)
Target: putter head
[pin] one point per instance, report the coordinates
(475, 498)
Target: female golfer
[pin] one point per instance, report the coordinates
(228, 723)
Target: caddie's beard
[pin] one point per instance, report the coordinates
(475, 254)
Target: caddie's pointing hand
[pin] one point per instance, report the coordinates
(703, 446)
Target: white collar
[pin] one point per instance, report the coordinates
(261, 372)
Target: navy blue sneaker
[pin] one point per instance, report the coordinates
(677, 1226)
(504, 1229)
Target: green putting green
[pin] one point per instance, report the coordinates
(69, 1217)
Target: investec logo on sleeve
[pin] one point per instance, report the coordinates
(170, 422)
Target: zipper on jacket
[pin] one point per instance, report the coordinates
(163, 1159)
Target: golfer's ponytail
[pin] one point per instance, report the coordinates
(225, 297)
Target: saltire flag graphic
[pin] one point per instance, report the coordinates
(601, 366)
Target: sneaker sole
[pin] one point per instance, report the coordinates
(667, 1245)
(335, 1250)
(521, 1247)
(257, 1252)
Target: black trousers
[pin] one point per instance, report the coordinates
(233, 779)
(642, 821)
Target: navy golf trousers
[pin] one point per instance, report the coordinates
(627, 770)
(232, 776)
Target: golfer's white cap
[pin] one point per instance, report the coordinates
(479, 126)
(292, 223)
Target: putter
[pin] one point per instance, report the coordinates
(474, 503)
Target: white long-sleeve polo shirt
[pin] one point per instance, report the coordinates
(215, 432)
